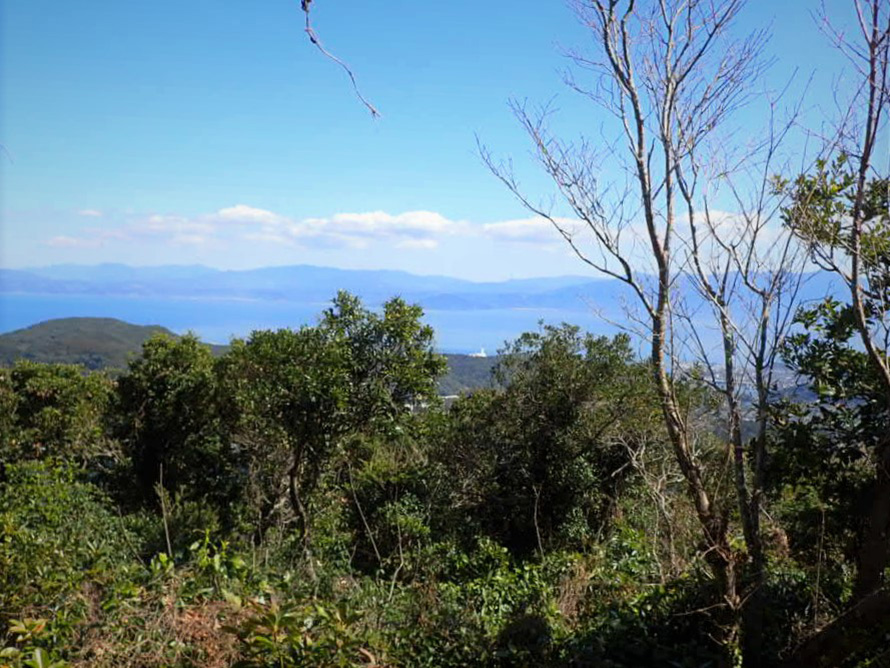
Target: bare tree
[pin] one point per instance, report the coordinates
(670, 74)
(748, 272)
(851, 242)
(849, 251)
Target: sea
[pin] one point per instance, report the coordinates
(220, 320)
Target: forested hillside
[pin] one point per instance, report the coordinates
(696, 477)
(303, 500)
(96, 343)
(109, 344)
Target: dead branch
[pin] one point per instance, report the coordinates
(313, 37)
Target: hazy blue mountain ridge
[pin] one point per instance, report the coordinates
(318, 284)
(219, 304)
(300, 283)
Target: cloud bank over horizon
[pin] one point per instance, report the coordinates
(418, 230)
(421, 241)
(241, 235)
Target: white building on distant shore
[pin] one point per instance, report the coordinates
(481, 353)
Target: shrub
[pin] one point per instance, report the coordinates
(53, 410)
(59, 540)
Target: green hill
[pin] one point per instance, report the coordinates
(466, 373)
(107, 343)
(96, 343)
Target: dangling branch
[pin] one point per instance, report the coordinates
(305, 4)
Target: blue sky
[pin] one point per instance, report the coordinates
(193, 132)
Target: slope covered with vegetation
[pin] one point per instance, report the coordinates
(96, 343)
(303, 500)
(108, 343)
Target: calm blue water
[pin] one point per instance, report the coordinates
(218, 320)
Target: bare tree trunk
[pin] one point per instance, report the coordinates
(874, 555)
(754, 609)
(864, 625)
(862, 628)
(664, 78)
(296, 499)
(749, 513)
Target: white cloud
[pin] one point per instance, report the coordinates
(525, 230)
(166, 226)
(268, 237)
(416, 230)
(90, 213)
(241, 213)
(242, 223)
(380, 225)
(175, 230)
(73, 242)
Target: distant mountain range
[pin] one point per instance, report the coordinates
(305, 284)
(219, 304)
(108, 343)
(312, 284)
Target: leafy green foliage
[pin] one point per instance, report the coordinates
(25, 653)
(308, 635)
(298, 394)
(289, 392)
(821, 467)
(45, 555)
(110, 345)
(53, 410)
(539, 462)
(822, 210)
(9, 400)
(387, 484)
(169, 420)
(388, 358)
(322, 508)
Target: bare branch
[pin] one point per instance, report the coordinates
(313, 37)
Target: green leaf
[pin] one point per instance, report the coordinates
(41, 659)
(231, 598)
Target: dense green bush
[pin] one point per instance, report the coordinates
(60, 540)
(319, 507)
(54, 410)
(538, 463)
(300, 396)
(169, 419)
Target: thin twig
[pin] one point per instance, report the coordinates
(313, 37)
(163, 494)
(816, 592)
(361, 513)
(537, 491)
